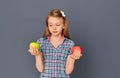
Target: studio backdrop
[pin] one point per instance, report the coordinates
(93, 24)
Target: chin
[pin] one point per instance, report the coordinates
(55, 34)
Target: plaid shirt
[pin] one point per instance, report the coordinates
(55, 58)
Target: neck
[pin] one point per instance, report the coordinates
(56, 38)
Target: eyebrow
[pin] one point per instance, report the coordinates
(55, 23)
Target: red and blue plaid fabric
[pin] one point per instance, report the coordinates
(55, 58)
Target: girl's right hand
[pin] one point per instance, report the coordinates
(34, 51)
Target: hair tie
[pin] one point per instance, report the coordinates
(63, 14)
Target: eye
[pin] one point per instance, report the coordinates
(50, 25)
(57, 24)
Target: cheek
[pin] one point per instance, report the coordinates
(60, 29)
(49, 28)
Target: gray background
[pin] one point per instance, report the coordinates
(93, 24)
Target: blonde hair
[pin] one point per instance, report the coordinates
(57, 13)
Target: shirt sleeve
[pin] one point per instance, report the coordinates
(71, 45)
(40, 41)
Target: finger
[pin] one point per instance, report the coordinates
(75, 56)
(34, 51)
(31, 53)
(78, 55)
(72, 56)
(37, 52)
(30, 50)
(78, 58)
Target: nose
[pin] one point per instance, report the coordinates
(54, 27)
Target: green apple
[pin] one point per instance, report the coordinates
(34, 44)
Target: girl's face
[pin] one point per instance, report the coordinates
(55, 25)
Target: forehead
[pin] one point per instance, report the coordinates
(55, 20)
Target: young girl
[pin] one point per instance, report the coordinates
(55, 59)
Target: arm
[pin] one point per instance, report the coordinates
(38, 59)
(39, 62)
(71, 60)
(69, 64)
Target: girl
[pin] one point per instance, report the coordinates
(55, 59)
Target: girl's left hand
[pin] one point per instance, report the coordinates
(76, 55)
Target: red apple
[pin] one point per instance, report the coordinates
(76, 48)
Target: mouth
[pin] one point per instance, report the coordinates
(54, 31)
